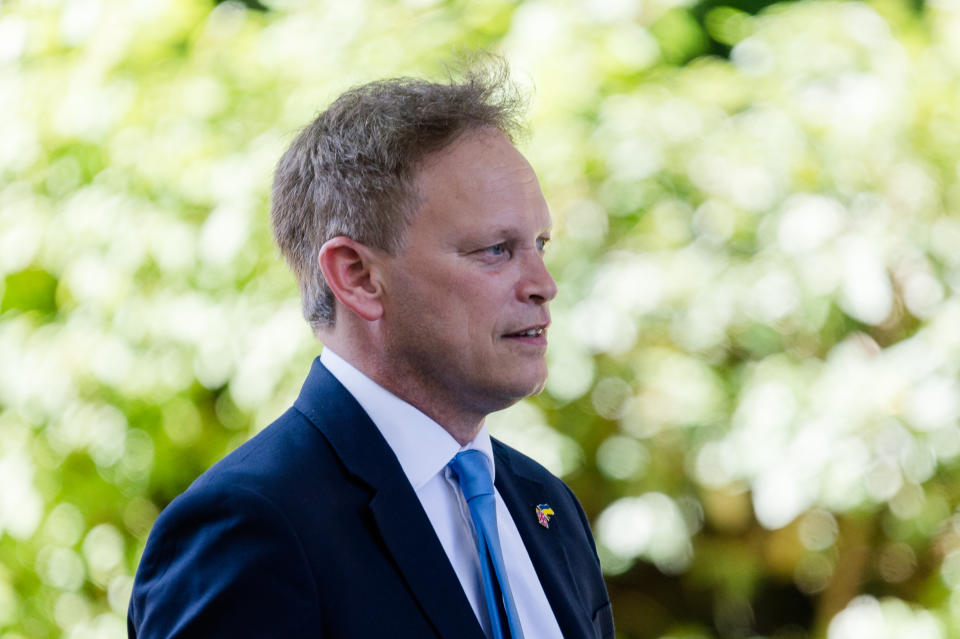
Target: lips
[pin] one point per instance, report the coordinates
(532, 331)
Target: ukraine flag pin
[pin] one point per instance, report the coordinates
(544, 512)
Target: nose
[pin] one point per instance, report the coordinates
(536, 284)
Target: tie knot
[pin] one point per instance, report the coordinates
(472, 473)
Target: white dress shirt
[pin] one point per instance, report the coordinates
(424, 449)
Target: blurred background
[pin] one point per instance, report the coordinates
(754, 361)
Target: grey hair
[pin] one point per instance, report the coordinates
(352, 170)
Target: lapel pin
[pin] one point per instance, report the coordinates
(544, 512)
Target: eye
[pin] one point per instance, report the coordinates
(542, 243)
(496, 250)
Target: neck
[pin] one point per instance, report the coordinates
(462, 423)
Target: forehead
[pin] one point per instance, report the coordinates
(480, 180)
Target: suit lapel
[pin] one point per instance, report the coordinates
(546, 547)
(420, 557)
(407, 533)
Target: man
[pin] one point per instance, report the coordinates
(416, 231)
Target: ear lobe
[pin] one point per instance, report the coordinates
(347, 266)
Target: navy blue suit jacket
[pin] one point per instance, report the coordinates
(311, 529)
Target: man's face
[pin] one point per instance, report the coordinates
(465, 306)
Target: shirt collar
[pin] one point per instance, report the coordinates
(422, 446)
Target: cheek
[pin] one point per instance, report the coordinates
(461, 302)
(483, 305)
(486, 291)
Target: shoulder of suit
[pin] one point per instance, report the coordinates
(284, 449)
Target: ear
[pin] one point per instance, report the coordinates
(349, 268)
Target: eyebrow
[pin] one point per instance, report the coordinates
(506, 230)
(512, 235)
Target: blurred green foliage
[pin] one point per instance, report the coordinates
(754, 357)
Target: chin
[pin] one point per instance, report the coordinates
(538, 388)
(508, 390)
(531, 388)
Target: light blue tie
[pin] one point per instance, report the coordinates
(473, 474)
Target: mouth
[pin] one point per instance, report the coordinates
(537, 331)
